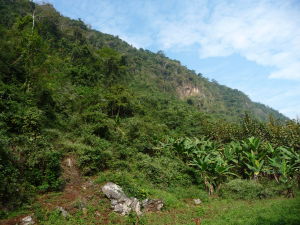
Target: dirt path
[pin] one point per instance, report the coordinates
(77, 192)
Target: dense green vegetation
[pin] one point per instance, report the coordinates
(128, 116)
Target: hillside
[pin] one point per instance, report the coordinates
(79, 108)
(170, 77)
(155, 70)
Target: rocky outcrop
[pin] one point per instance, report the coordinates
(124, 205)
(152, 205)
(119, 201)
(188, 90)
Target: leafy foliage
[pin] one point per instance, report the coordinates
(216, 163)
(65, 88)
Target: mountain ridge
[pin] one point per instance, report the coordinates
(188, 83)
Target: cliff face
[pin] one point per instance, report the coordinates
(189, 90)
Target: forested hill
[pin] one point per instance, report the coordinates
(125, 115)
(75, 45)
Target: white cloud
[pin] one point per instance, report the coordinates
(266, 32)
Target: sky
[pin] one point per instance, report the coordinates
(250, 45)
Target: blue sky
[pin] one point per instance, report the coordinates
(250, 45)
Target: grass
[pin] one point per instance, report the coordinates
(279, 211)
(179, 207)
(214, 211)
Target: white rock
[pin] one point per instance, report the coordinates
(120, 203)
(197, 201)
(136, 206)
(64, 213)
(113, 191)
(28, 220)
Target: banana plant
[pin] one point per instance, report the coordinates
(252, 143)
(231, 152)
(254, 164)
(285, 163)
(201, 164)
(186, 146)
(213, 169)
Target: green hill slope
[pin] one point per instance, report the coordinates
(150, 69)
(125, 115)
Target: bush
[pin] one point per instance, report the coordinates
(30, 166)
(242, 189)
(9, 180)
(251, 189)
(163, 171)
(40, 162)
(94, 158)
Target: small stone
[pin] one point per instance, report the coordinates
(28, 220)
(69, 160)
(197, 201)
(97, 213)
(84, 211)
(63, 212)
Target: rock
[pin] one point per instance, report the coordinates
(124, 205)
(97, 213)
(119, 201)
(28, 220)
(63, 212)
(113, 191)
(136, 206)
(84, 211)
(197, 201)
(69, 162)
(153, 205)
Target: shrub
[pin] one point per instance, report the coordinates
(40, 162)
(94, 158)
(163, 171)
(242, 189)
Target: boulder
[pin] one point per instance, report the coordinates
(113, 191)
(119, 201)
(124, 205)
